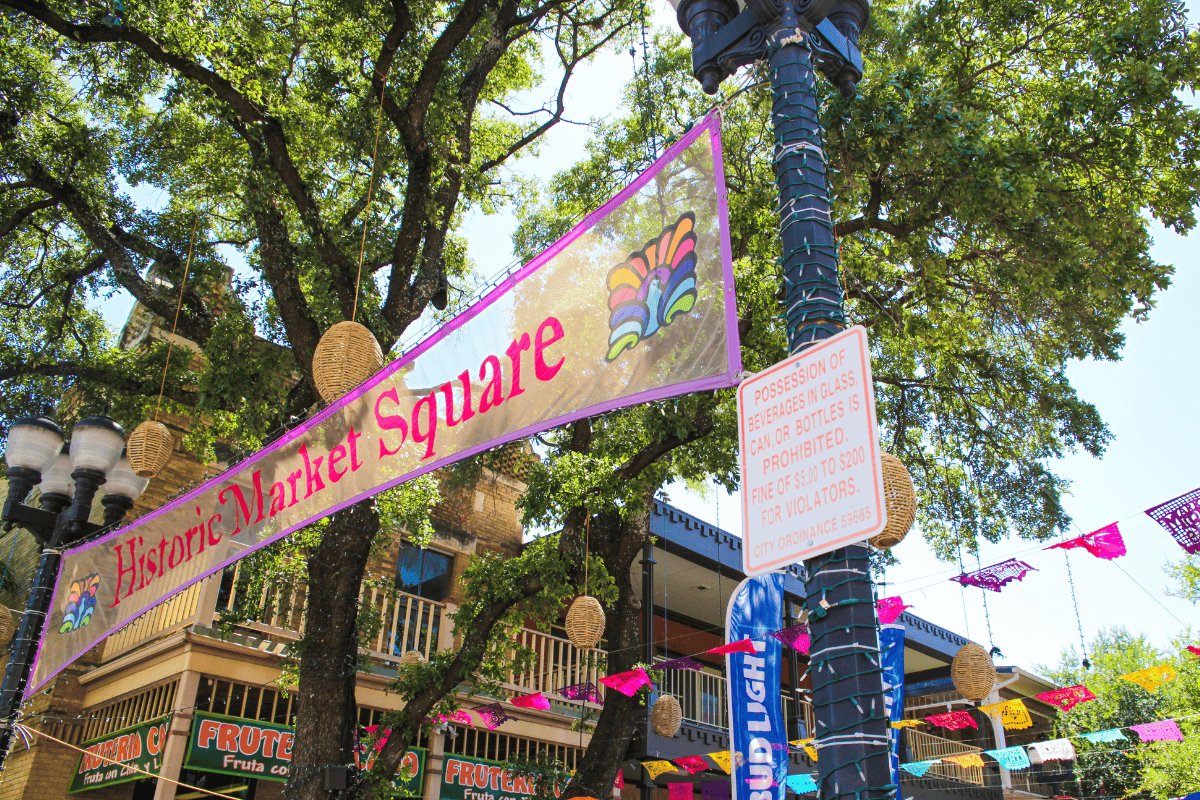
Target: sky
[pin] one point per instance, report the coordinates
(1148, 400)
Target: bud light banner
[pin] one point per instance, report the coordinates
(757, 735)
(891, 646)
(635, 304)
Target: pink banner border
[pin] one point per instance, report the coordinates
(711, 125)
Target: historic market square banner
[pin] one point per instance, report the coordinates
(633, 305)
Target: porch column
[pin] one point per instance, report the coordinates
(177, 734)
(998, 735)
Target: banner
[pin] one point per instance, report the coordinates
(138, 746)
(633, 305)
(756, 729)
(891, 646)
(465, 778)
(251, 749)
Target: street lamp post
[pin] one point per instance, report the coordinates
(796, 36)
(68, 476)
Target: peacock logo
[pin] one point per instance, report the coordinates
(81, 602)
(653, 286)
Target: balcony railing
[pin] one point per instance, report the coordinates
(925, 747)
(701, 695)
(556, 664)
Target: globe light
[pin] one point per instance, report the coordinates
(120, 490)
(33, 443)
(124, 482)
(97, 444)
(57, 480)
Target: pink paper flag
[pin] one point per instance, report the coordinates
(1194, 650)
(955, 720)
(620, 782)
(627, 683)
(1105, 543)
(890, 609)
(743, 646)
(532, 701)
(679, 791)
(795, 637)
(1166, 730)
(692, 764)
(1068, 697)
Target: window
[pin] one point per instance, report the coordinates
(424, 573)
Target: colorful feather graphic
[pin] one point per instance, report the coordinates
(653, 286)
(81, 602)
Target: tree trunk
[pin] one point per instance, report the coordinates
(326, 711)
(618, 542)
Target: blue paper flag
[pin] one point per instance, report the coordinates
(1010, 757)
(801, 784)
(918, 768)
(1111, 735)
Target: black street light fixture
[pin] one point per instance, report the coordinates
(795, 36)
(68, 477)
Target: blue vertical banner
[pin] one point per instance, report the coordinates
(891, 645)
(757, 735)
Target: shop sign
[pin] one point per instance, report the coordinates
(251, 749)
(466, 778)
(139, 746)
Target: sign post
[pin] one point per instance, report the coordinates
(812, 479)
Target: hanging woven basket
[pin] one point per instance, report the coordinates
(585, 622)
(8, 626)
(666, 716)
(345, 357)
(411, 658)
(149, 448)
(901, 502)
(973, 672)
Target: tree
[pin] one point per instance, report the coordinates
(1186, 574)
(156, 149)
(1130, 768)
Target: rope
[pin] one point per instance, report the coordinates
(362, 247)
(1074, 602)
(26, 731)
(178, 305)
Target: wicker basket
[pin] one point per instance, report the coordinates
(8, 626)
(411, 658)
(149, 448)
(666, 716)
(585, 622)
(973, 672)
(345, 357)
(901, 503)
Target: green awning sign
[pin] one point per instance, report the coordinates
(251, 749)
(139, 746)
(242, 747)
(466, 778)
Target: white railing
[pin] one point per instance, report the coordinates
(701, 694)
(408, 623)
(926, 747)
(556, 664)
(178, 612)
